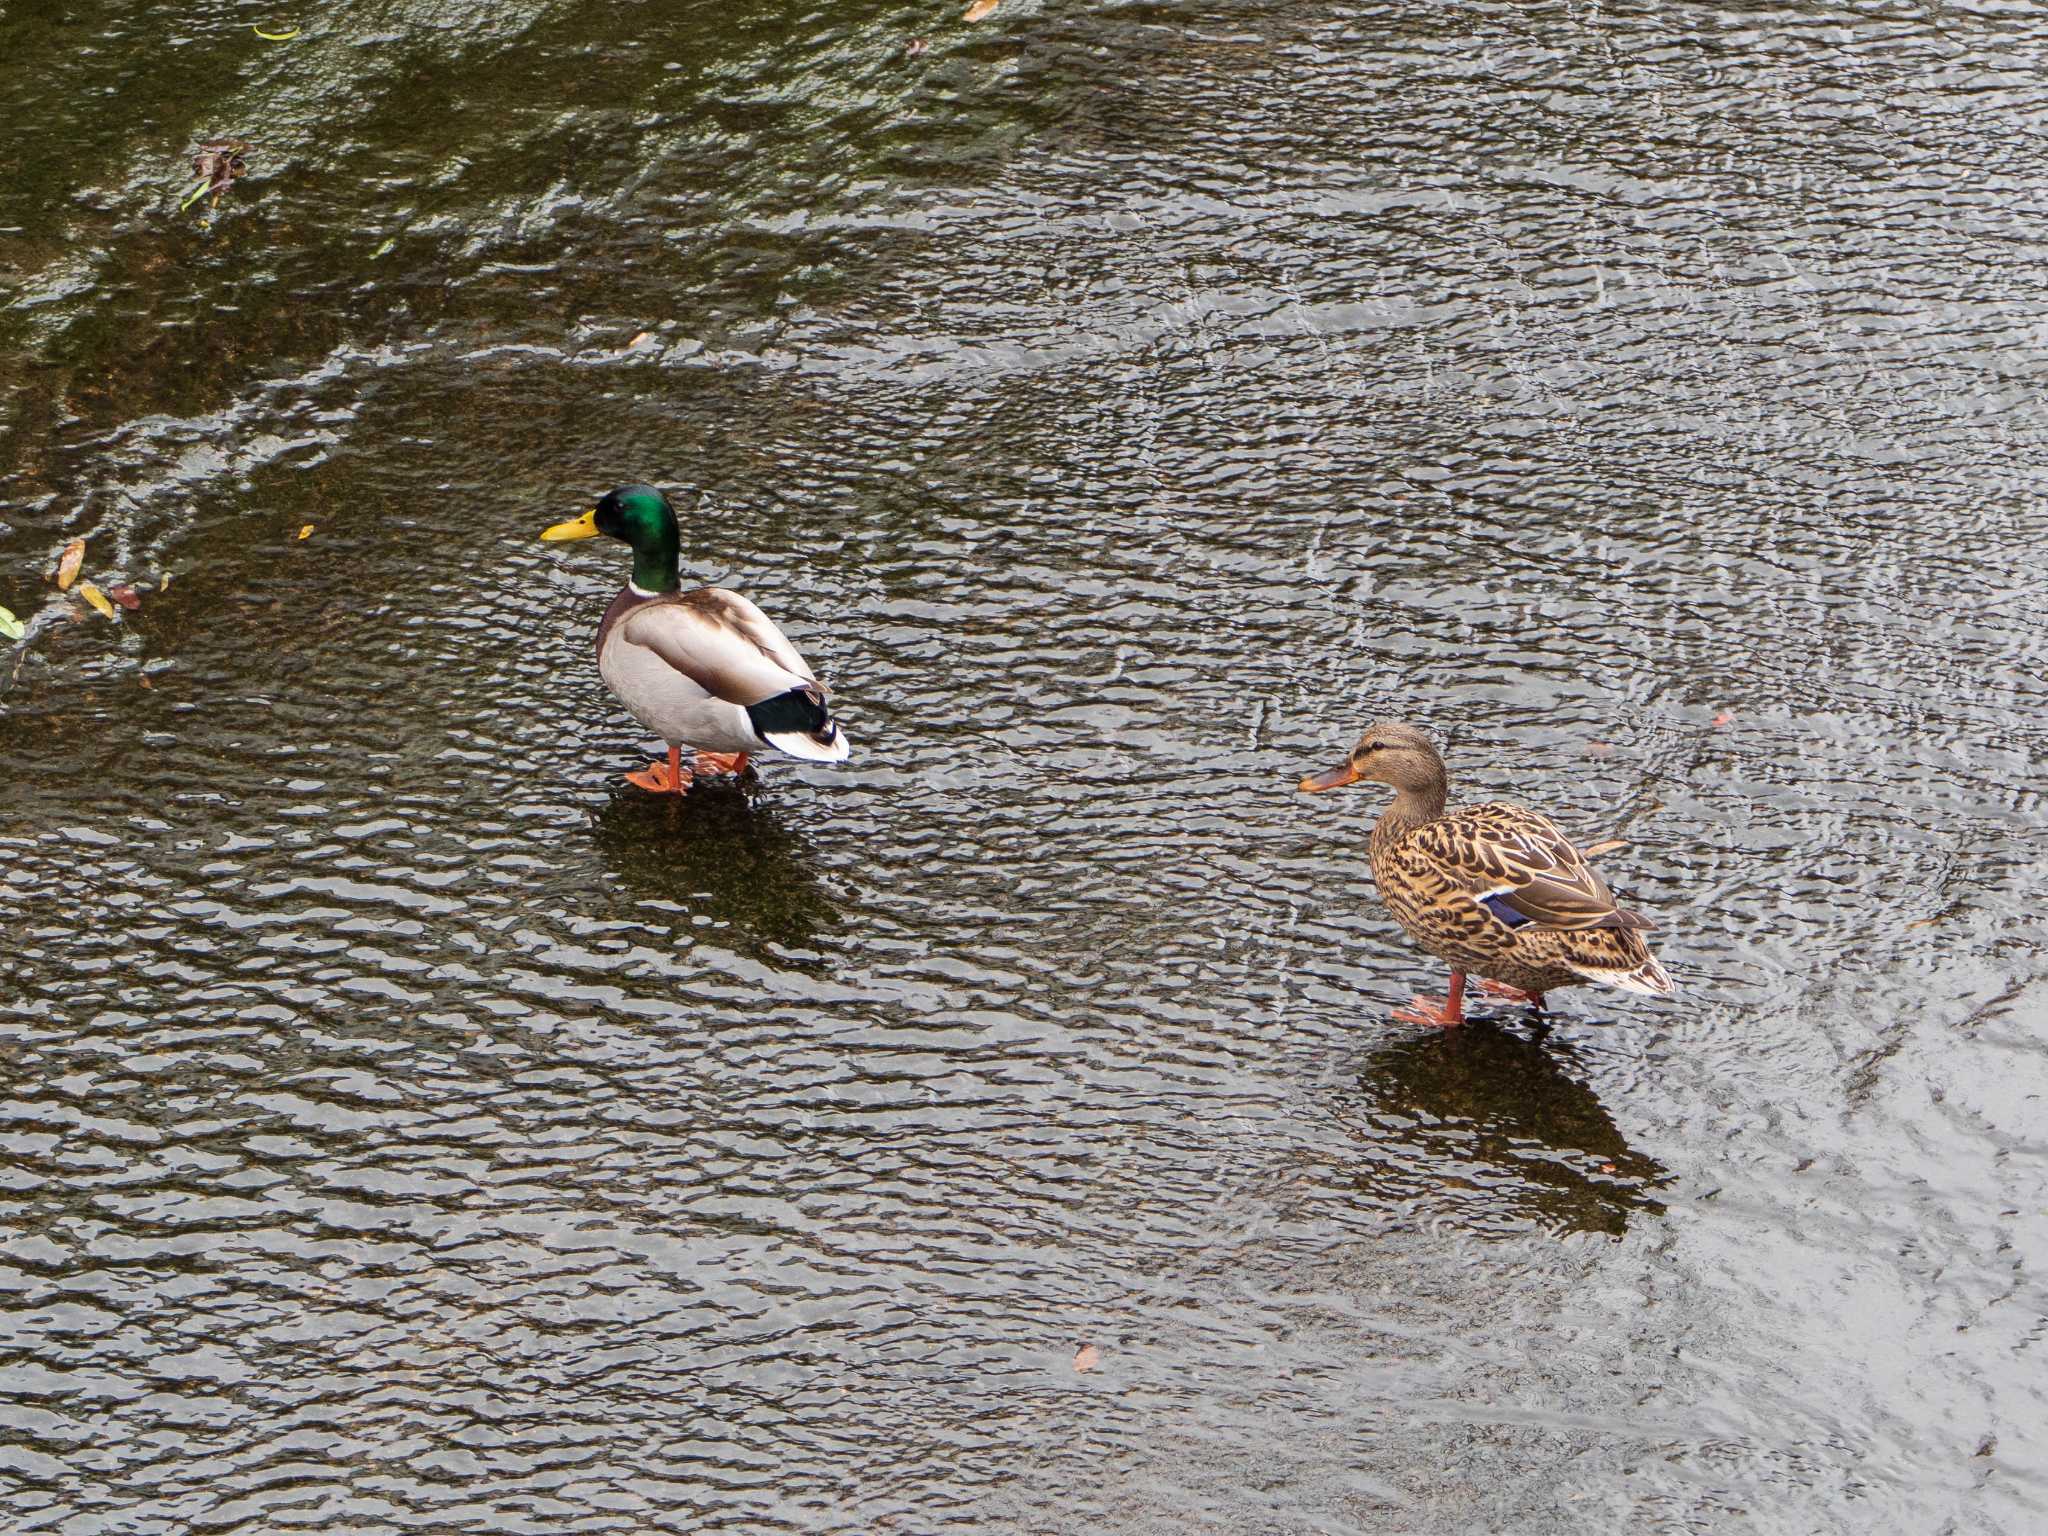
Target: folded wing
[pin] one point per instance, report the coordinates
(722, 643)
(1518, 866)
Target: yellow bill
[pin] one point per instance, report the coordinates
(584, 527)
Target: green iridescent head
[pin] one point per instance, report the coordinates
(639, 517)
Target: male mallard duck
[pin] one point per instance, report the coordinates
(1492, 889)
(704, 669)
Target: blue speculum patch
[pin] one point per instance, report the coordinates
(1498, 906)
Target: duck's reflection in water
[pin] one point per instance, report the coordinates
(719, 858)
(1494, 1130)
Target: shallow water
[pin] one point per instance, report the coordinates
(408, 1128)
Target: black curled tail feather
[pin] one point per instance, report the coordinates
(797, 722)
(801, 711)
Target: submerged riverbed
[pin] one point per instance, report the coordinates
(407, 1127)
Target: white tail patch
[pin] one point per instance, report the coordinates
(806, 746)
(1648, 979)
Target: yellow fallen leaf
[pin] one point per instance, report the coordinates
(1608, 845)
(306, 532)
(275, 37)
(165, 584)
(67, 567)
(1087, 1356)
(982, 8)
(96, 597)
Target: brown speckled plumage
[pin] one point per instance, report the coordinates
(1496, 889)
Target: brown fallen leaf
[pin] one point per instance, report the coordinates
(1724, 718)
(982, 8)
(1923, 922)
(68, 564)
(126, 596)
(216, 165)
(1087, 1356)
(917, 46)
(306, 532)
(1605, 845)
(96, 597)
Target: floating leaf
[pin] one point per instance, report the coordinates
(96, 597)
(386, 246)
(198, 191)
(1087, 1356)
(165, 584)
(982, 8)
(126, 596)
(276, 37)
(10, 626)
(1724, 718)
(643, 336)
(68, 564)
(1606, 845)
(306, 532)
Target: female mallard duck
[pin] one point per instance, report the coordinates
(1492, 889)
(704, 669)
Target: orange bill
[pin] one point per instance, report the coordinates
(1336, 778)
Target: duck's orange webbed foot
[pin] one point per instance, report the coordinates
(708, 763)
(664, 778)
(1443, 1012)
(1431, 1010)
(1513, 994)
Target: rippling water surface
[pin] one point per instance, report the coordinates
(405, 1127)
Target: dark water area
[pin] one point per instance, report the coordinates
(407, 1127)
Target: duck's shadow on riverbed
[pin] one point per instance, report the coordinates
(1492, 1126)
(724, 860)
